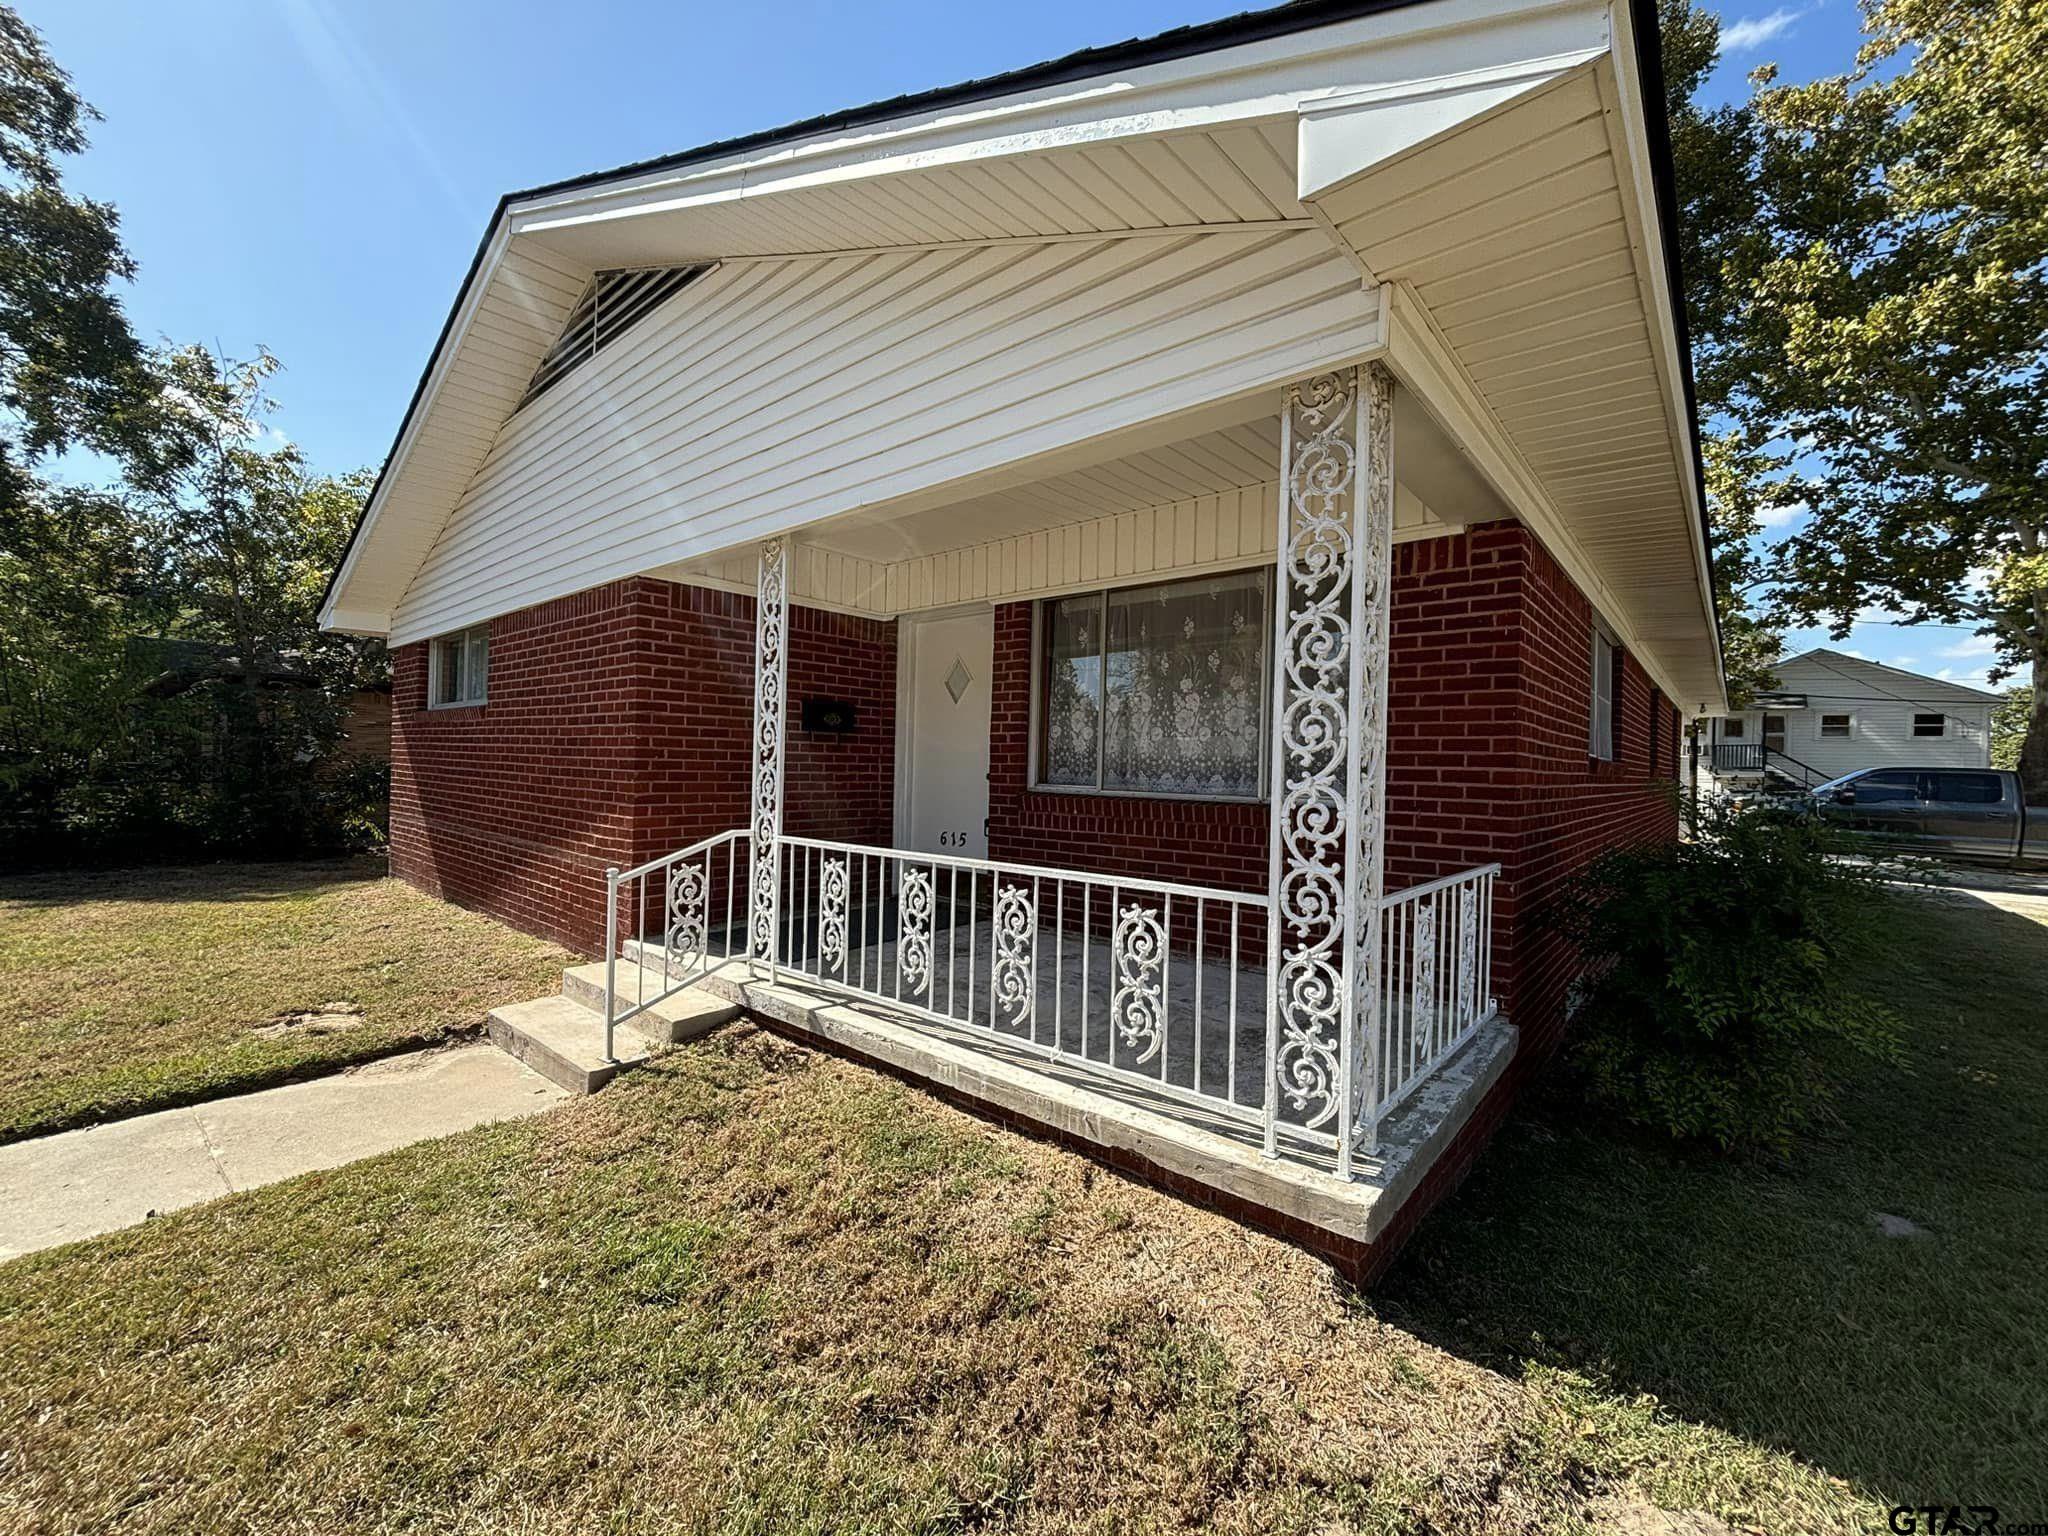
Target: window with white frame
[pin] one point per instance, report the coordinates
(1732, 728)
(1603, 739)
(1837, 727)
(1156, 690)
(1930, 725)
(458, 668)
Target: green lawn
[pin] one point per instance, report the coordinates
(135, 990)
(1764, 1299)
(754, 1288)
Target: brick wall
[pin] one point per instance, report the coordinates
(617, 729)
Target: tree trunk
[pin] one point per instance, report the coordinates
(2034, 750)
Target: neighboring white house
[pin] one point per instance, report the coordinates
(1833, 714)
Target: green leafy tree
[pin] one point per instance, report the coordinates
(2009, 727)
(1879, 324)
(71, 371)
(245, 537)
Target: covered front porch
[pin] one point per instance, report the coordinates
(1306, 1044)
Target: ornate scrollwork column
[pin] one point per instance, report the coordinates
(1330, 602)
(771, 676)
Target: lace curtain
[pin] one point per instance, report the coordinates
(1158, 689)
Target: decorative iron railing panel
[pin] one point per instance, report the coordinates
(1142, 980)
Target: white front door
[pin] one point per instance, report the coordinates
(945, 761)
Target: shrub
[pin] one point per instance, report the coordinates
(1718, 989)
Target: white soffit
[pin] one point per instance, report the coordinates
(1524, 239)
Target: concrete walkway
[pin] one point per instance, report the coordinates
(57, 1189)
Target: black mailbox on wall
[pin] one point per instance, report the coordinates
(832, 717)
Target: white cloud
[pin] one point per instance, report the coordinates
(1976, 645)
(1752, 32)
(1784, 516)
(1967, 679)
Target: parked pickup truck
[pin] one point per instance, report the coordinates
(1970, 813)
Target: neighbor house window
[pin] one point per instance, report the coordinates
(1604, 740)
(1930, 725)
(458, 668)
(1156, 690)
(1733, 727)
(1835, 726)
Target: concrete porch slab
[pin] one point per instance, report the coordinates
(1214, 1151)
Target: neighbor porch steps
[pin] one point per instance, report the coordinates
(561, 1036)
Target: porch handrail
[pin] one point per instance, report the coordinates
(1041, 871)
(1441, 883)
(685, 923)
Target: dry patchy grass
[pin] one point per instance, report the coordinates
(135, 990)
(753, 1289)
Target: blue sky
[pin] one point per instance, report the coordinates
(313, 175)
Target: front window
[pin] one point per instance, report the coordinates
(1930, 725)
(458, 669)
(1156, 690)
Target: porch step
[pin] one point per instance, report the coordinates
(564, 1042)
(690, 1013)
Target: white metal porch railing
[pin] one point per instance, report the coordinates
(686, 886)
(1155, 987)
(1436, 983)
(1142, 981)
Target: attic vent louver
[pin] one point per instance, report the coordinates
(610, 306)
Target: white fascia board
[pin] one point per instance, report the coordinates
(1424, 362)
(1269, 79)
(1628, 131)
(1343, 136)
(335, 614)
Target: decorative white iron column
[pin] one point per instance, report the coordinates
(771, 674)
(1329, 755)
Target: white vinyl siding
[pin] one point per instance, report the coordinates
(772, 394)
(1880, 733)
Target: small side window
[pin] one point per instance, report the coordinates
(1930, 725)
(1836, 727)
(1732, 728)
(1603, 739)
(458, 668)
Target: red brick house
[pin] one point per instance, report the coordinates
(1119, 590)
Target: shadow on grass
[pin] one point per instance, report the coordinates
(1767, 1299)
(189, 882)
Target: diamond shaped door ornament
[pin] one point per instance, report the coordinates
(958, 679)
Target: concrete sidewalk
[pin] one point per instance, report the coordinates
(57, 1189)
